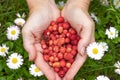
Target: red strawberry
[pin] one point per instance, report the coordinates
(62, 63)
(56, 64)
(61, 73)
(68, 64)
(46, 57)
(53, 23)
(60, 20)
(68, 56)
(56, 69)
(60, 29)
(60, 55)
(66, 25)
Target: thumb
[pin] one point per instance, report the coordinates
(85, 35)
(28, 41)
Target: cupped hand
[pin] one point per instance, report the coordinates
(80, 20)
(39, 19)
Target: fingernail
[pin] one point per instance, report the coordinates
(82, 51)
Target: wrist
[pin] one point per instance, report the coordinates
(33, 4)
(83, 4)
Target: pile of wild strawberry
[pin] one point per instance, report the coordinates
(59, 44)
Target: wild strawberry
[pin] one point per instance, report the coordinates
(68, 49)
(65, 31)
(60, 24)
(44, 46)
(54, 54)
(50, 42)
(56, 48)
(61, 73)
(71, 60)
(74, 47)
(50, 48)
(51, 58)
(68, 34)
(50, 28)
(73, 37)
(73, 52)
(61, 41)
(50, 63)
(72, 31)
(52, 37)
(65, 69)
(56, 64)
(62, 36)
(60, 19)
(45, 51)
(53, 23)
(60, 29)
(74, 42)
(60, 55)
(55, 27)
(68, 64)
(62, 63)
(46, 57)
(56, 69)
(62, 49)
(47, 32)
(68, 56)
(66, 25)
(56, 59)
(67, 40)
(55, 42)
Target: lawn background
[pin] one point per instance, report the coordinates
(107, 16)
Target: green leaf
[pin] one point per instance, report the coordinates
(2, 78)
(107, 57)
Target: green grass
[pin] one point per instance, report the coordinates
(90, 70)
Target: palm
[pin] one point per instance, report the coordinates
(37, 22)
(81, 21)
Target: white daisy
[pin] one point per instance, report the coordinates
(0, 24)
(20, 79)
(14, 61)
(13, 32)
(117, 65)
(61, 5)
(95, 51)
(117, 71)
(20, 16)
(116, 3)
(35, 71)
(94, 17)
(111, 33)
(19, 21)
(105, 2)
(3, 50)
(102, 77)
(104, 46)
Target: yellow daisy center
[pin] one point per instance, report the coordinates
(95, 51)
(3, 49)
(20, 23)
(111, 33)
(37, 69)
(13, 32)
(14, 60)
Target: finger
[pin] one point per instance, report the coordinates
(28, 41)
(85, 34)
(46, 69)
(57, 77)
(75, 67)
